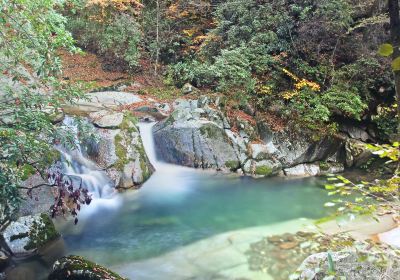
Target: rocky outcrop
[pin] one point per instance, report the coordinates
(118, 149)
(77, 268)
(198, 134)
(97, 101)
(349, 265)
(26, 235)
(196, 137)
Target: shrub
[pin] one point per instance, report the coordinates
(116, 36)
(343, 101)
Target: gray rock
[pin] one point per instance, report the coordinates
(356, 153)
(314, 169)
(347, 264)
(188, 88)
(294, 147)
(121, 154)
(29, 233)
(97, 101)
(356, 132)
(107, 119)
(77, 268)
(303, 170)
(183, 140)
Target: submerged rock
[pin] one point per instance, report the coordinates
(29, 233)
(349, 265)
(77, 268)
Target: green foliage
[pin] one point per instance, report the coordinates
(31, 93)
(344, 101)
(115, 36)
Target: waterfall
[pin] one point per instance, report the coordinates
(170, 182)
(82, 170)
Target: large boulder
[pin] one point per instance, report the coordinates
(293, 147)
(77, 268)
(349, 265)
(196, 137)
(29, 233)
(118, 149)
(199, 134)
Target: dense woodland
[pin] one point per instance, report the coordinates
(311, 65)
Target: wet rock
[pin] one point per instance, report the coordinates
(77, 268)
(349, 265)
(29, 233)
(314, 169)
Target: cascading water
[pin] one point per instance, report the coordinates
(170, 182)
(83, 171)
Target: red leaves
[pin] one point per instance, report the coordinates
(68, 198)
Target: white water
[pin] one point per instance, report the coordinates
(170, 182)
(84, 171)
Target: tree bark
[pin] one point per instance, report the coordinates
(393, 6)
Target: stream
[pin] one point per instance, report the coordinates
(176, 207)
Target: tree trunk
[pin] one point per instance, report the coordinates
(394, 14)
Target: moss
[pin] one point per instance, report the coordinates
(233, 165)
(75, 267)
(41, 233)
(27, 171)
(210, 131)
(129, 122)
(121, 152)
(323, 165)
(263, 170)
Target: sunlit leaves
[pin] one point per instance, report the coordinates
(385, 50)
(396, 64)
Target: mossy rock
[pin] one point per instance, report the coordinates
(29, 233)
(233, 165)
(263, 170)
(77, 268)
(42, 232)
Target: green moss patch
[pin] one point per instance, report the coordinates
(233, 165)
(41, 233)
(75, 267)
(263, 170)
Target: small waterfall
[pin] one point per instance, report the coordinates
(83, 171)
(170, 182)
